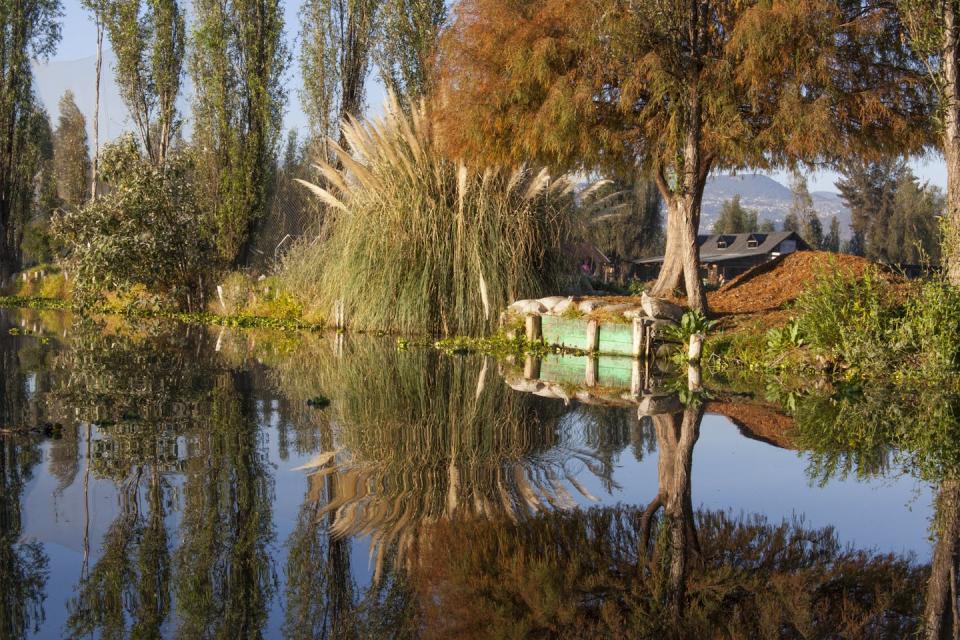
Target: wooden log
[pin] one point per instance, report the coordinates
(593, 335)
(639, 333)
(534, 325)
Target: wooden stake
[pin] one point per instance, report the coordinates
(593, 335)
(531, 368)
(534, 328)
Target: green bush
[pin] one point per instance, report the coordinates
(848, 317)
(146, 229)
(931, 327)
(418, 243)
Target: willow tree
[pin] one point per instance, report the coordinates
(28, 29)
(679, 88)
(237, 65)
(147, 37)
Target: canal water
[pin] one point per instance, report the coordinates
(171, 481)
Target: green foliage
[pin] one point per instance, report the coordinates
(407, 36)
(847, 317)
(71, 153)
(691, 323)
(735, 219)
(421, 244)
(785, 337)
(146, 230)
(625, 219)
(237, 65)
(802, 217)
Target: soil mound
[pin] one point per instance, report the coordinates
(757, 421)
(772, 285)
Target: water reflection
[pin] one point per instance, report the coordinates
(428, 499)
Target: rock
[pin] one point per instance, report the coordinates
(589, 306)
(617, 308)
(550, 302)
(634, 312)
(525, 307)
(654, 405)
(563, 306)
(660, 327)
(660, 309)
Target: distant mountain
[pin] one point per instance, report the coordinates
(770, 198)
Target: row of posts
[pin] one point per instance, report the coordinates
(642, 334)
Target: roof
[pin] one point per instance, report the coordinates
(730, 246)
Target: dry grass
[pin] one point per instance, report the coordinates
(417, 243)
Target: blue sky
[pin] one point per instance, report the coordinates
(79, 41)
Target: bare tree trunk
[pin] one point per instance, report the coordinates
(939, 616)
(96, 109)
(951, 140)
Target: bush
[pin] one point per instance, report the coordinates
(848, 317)
(145, 230)
(418, 243)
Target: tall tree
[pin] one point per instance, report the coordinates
(628, 223)
(913, 235)
(337, 43)
(98, 8)
(28, 29)
(933, 27)
(831, 241)
(147, 37)
(409, 32)
(71, 153)
(238, 61)
(679, 88)
(734, 218)
(868, 189)
(802, 216)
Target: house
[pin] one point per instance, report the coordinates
(723, 256)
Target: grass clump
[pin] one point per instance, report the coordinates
(418, 243)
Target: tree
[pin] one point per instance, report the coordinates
(147, 37)
(99, 10)
(868, 189)
(679, 89)
(28, 29)
(932, 27)
(802, 217)
(914, 232)
(831, 241)
(337, 42)
(71, 153)
(735, 219)
(408, 34)
(237, 66)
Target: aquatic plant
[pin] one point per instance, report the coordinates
(418, 243)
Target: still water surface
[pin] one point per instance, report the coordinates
(184, 482)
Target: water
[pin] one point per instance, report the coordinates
(179, 484)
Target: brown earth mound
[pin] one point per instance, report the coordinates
(758, 421)
(772, 285)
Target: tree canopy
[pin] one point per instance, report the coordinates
(677, 89)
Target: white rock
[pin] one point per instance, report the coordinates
(633, 312)
(589, 306)
(524, 307)
(550, 302)
(563, 306)
(660, 309)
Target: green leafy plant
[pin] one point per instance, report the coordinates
(691, 323)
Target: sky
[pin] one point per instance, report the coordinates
(79, 42)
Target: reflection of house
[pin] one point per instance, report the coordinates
(727, 255)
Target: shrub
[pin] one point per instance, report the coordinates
(846, 316)
(418, 243)
(145, 230)
(931, 326)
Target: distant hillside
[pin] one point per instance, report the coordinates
(770, 198)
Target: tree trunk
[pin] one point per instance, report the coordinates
(681, 260)
(951, 142)
(96, 109)
(940, 619)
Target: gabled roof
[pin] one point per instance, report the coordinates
(728, 246)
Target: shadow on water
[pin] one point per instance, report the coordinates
(239, 509)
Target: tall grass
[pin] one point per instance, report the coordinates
(418, 243)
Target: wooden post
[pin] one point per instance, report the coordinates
(591, 372)
(636, 379)
(638, 338)
(694, 378)
(531, 368)
(534, 328)
(696, 348)
(593, 335)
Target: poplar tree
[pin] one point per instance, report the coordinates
(408, 34)
(71, 153)
(802, 216)
(337, 43)
(677, 89)
(28, 29)
(147, 37)
(237, 65)
(734, 218)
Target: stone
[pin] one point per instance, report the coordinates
(589, 306)
(551, 301)
(654, 405)
(525, 307)
(634, 312)
(660, 309)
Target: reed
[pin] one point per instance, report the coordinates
(416, 243)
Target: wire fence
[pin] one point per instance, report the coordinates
(293, 215)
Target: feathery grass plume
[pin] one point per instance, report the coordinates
(419, 243)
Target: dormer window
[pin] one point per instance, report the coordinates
(724, 241)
